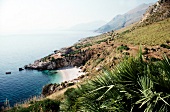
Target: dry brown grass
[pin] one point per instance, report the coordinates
(154, 34)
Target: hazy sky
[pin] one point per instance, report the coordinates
(31, 15)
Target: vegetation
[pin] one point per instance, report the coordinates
(75, 52)
(123, 47)
(99, 60)
(154, 34)
(40, 106)
(103, 40)
(165, 46)
(53, 59)
(134, 85)
(124, 32)
(82, 46)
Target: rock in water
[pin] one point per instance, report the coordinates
(20, 69)
(8, 72)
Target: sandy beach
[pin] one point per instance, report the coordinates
(70, 73)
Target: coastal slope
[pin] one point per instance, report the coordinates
(126, 19)
(125, 83)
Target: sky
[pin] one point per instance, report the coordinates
(18, 16)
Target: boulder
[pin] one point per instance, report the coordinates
(8, 72)
(20, 69)
(78, 59)
(46, 89)
(70, 84)
(51, 66)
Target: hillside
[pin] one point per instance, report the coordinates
(111, 47)
(157, 12)
(154, 34)
(107, 52)
(126, 19)
(108, 49)
(126, 70)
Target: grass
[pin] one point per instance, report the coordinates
(100, 41)
(22, 104)
(154, 34)
(82, 46)
(46, 105)
(123, 47)
(99, 60)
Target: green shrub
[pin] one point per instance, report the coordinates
(99, 60)
(82, 46)
(127, 31)
(126, 53)
(78, 46)
(74, 52)
(165, 46)
(123, 47)
(104, 40)
(53, 59)
(70, 104)
(134, 85)
(154, 59)
(87, 45)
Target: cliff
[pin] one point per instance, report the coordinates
(62, 58)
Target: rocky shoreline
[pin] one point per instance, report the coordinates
(61, 58)
(72, 56)
(66, 57)
(52, 88)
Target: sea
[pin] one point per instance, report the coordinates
(16, 51)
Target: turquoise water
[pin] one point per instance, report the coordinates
(19, 50)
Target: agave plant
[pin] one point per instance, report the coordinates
(134, 85)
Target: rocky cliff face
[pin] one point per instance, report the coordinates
(62, 58)
(126, 19)
(52, 88)
(157, 12)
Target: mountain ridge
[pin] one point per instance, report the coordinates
(126, 19)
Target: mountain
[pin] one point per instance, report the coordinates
(91, 26)
(126, 19)
(157, 12)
